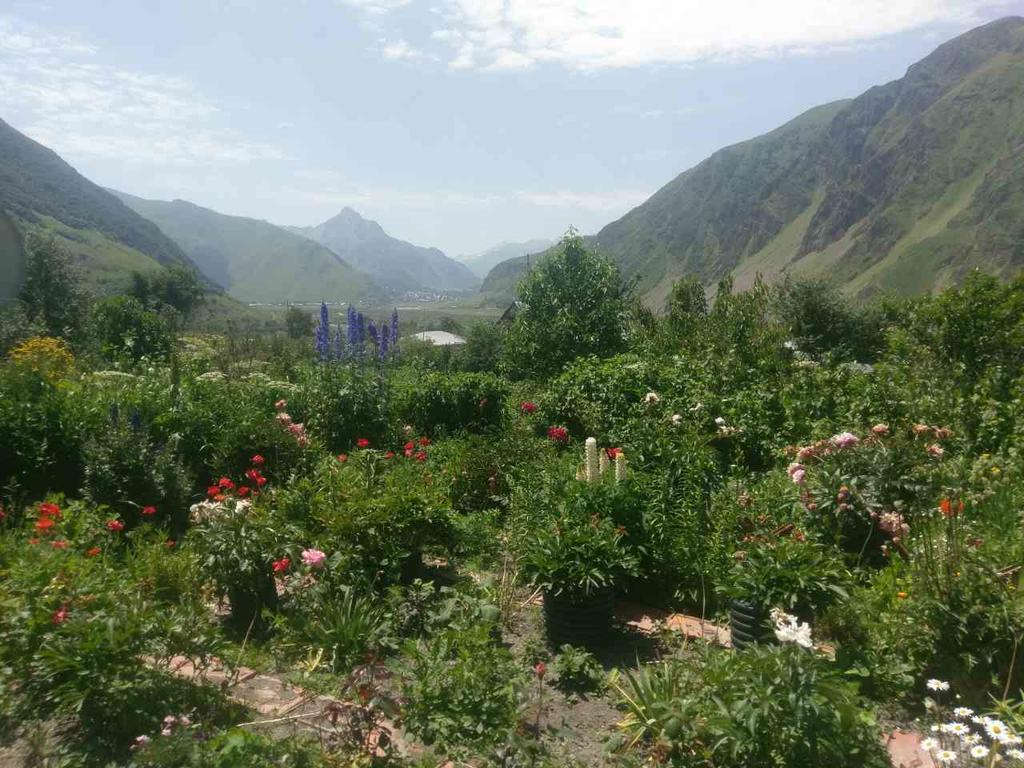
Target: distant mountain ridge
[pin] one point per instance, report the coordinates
(254, 260)
(393, 264)
(905, 188)
(483, 262)
(42, 191)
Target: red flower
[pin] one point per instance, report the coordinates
(93, 552)
(60, 615)
(362, 442)
(253, 474)
(257, 460)
(342, 457)
(420, 456)
(47, 509)
(170, 543)
(424, 441)
(558, 434)
(261, 481)
(44, 524)
(213, 491)
(59, 544)
(389, 455)
(148, 511)
(244, 490)
(280, 566)
(226, 484)
(116, 526)
(613, 453)
(540, 669)
(33, 542)
(949, 509)
(527, 407)
(408, 453)
(409, 446)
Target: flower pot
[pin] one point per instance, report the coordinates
(749, 624)
(578, 620)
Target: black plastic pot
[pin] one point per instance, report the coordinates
(749, 624)
(578, 620)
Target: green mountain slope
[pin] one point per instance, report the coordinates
(41, 191)
(394, 264)
(904, 188)
(255, 261)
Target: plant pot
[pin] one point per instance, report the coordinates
(749, 624)
(578, 620)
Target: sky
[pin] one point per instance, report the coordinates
(458, 124)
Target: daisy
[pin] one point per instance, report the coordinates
(957, 729)
(997, 730)
(1016, 754)
(945, 756)
(929, 744)
(963, 712)
(978, 752)
(937, 685)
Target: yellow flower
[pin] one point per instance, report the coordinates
(45, 356)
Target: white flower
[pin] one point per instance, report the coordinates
(957, 729)
(936, 728)
(997, 730)
(1012, 740)
(933, 684)
(945, 756)
(651, 398)
(677, 420)
(1016, 754)
(963, 712)
(971, 738)
(979, 751)
(592, 464)
(720, 421)
(789, 630)
(929, 744)
(696, 407)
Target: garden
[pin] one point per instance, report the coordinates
(773, 528)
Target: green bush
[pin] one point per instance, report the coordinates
(439, 404)
(768, 707)
(122, 329)
(461, 691)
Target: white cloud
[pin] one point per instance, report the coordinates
(400, 50)
(69, 100)
(597, 34)
(376, 7)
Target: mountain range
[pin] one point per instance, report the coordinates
(483, 262)
(40, 191)
(904, 188)
(255, 261)
(394, 263)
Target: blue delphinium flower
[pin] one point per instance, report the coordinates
(135, 419)
(339, 344)
(394, 331)
(352, 331)
(115, 415)
(371, 331)
(322, 334)
(385, 342)
(360, 335)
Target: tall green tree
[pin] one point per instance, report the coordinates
(574, 304)
(51, 293)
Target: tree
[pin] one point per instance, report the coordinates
(299, 323)
(687, 305)
(484, 345)
(51, 293)
(574, 304)
(124, 329)
(175, 286)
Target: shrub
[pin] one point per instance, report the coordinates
(768, 707)
(340, 404)
(461, 691)
(439, 404)
(123, 329)
(577, 669)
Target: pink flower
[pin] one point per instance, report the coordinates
(284, 419)
(935, 451)
(281, 404)
(880, 429)
(844, 440)
(257, 460)
(314, 558)
(797, 473)
(60, 615)
(115, 526)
